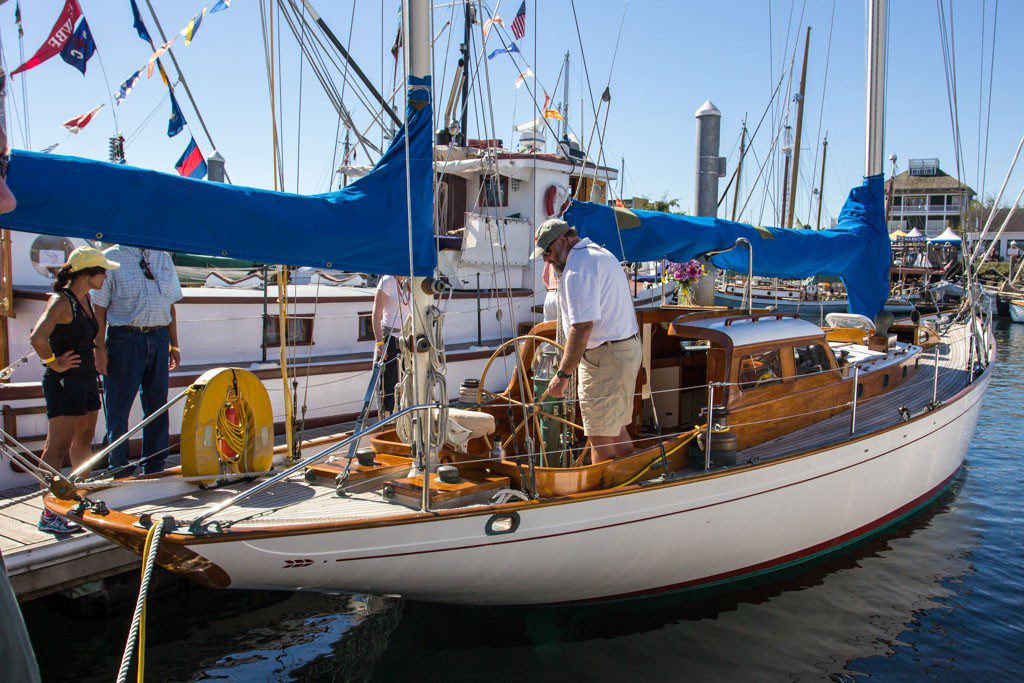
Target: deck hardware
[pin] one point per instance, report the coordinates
(505, 523)
(904, 412)
(100, 508)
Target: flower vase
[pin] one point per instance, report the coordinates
(684, 297)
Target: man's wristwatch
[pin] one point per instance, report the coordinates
(563, 375)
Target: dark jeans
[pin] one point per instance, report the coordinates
(389, 374)
(137, 365)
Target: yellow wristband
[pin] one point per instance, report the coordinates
(175, 348)
(47, 361)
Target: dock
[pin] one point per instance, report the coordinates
(39, 563)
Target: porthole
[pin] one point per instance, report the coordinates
(506, 523)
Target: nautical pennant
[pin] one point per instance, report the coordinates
(17, 18)
(512, 47)
(519, 22)
(59, 36)
(496, 19)
(126, 86)
(191, 164)
(192, 27)
(139, 25)
(80, 48)
(553, 114)
(220, 6)
(47, 150)
(76, 124)
(521, 78)
(177, 120)
(156, 55)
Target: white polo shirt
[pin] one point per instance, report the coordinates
(593, 288)
(397, 306)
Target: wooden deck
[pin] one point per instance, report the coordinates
(881, 412)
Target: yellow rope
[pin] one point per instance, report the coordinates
(140, 674)
(659, 457)
(239, 436)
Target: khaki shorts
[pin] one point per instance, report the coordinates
(607, 386)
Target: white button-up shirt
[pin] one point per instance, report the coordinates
(133, 299)
(593, 288)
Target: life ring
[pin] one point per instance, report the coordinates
(227, 426)
(556, 200)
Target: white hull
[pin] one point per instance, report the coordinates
(668, 537)
(1016, 312)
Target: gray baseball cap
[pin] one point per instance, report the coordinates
(549, 231)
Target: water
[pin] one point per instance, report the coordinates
(939, 597)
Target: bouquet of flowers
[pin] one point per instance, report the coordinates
(685, 275)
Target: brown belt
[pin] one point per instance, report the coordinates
(618, 341)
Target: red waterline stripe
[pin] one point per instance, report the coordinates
(666, 514)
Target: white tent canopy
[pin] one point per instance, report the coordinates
(914, 234)
(947, 237)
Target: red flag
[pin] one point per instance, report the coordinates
(60, 34)
(79, 122)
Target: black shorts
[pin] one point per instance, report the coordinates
(71, 394)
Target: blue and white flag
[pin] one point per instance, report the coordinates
(126, 86)
(80, 48)
(512, 47)
(221, 5)
(177, 121)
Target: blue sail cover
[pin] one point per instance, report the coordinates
(363, 227)
(857, 249)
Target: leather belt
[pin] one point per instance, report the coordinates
(140, 330)
(618, 341)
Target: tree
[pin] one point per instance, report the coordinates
(664, 204)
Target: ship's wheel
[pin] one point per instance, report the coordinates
(526, 347)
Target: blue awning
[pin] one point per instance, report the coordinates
(363, 227)
(857, 249)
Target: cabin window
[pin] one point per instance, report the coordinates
(365, 326)
(760, 370)
(494, 191)
(300, 330)
(810, 359)
(904, 372)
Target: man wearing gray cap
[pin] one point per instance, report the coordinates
(602, 337)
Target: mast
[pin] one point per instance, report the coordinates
(787, 150)
(891, 189)
(622, 176)
(416, 22)
(821, 184)
(739, 169)
(565, 100)
(799, 130)
(875, 96)
(467, 36)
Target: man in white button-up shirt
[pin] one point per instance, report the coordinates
(137, 346)
(602, 337)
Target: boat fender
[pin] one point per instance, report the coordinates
(556, 200)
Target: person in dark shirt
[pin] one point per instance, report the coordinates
(64, 339)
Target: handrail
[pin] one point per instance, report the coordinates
(197, 524)
(75, 475)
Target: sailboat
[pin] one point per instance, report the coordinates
(762, 440)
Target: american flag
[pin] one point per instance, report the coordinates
(519, 23)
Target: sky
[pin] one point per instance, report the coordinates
(668, 60)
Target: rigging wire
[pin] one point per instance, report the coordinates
(821, 109)
(988, 114)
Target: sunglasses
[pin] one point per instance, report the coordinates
(145, 270)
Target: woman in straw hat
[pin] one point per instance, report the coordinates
(64, 338)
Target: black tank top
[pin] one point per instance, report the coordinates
(79, 335)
